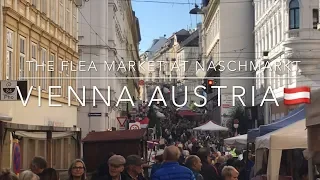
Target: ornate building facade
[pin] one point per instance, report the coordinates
(35, 33)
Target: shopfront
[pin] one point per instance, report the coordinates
(313, 126)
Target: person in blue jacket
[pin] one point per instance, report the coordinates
(170, 169)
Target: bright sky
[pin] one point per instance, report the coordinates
(157, 19)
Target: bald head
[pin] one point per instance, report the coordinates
(171, 153)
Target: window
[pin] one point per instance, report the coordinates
(53, 10)
(74, 19)
(9, 58)
(66, 71)
(255, 11)
(61, 13)
(275, 31)
(43, 70)
(68, 17)
(22, 57)
(267, 40)
(33, 65)
(60, 76)
(315, 14)
(51, 69)
(271, 35)
(280, 27)
(44, 6)
(294, 14)
(73, 76)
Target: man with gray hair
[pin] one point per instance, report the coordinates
(38, 164)
(193, 162)
(229, 173)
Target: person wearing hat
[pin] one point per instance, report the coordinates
(134, 168)
(159, 160)
(116, 166)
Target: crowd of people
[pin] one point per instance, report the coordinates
(40, 171)
(203, 163)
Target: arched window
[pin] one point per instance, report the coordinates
(294, 14)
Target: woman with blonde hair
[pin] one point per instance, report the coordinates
(28, 175)
(77, 170)
(6, 174)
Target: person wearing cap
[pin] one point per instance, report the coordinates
(134, 168)
(170, 169)
(116, 165)
(159, 160)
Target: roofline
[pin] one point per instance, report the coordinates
(103, 141)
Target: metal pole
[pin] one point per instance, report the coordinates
(310, 161)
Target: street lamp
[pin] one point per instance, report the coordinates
(196, 10)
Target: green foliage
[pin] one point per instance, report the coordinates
(238, 112)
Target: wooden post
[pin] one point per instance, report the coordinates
(79, 144)
(49, 148)
(2, 138)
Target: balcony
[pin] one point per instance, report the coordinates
(301, 45)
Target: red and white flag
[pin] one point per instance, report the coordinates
(299, 95)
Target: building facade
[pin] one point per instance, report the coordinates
(285, 32)
(146, 76)
(188, 54)
(227, 39)
(41, 32)
(165, 63)
(111, 39)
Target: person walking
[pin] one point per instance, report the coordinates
(194, 164)
(170, 169)
(208, 171)
(134, 168)
(38, 164)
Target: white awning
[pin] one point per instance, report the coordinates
(210, 126)
(293, 136)
(43, 135)
(235, 141)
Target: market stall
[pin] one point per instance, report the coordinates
(239, 141)
(313, 126)
(210, 126)
(293, 136)
(293, 116)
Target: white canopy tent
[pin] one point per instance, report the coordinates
(237, 140)
(293, 136)
(210, 126)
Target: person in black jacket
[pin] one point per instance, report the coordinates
(116, 165)
(103, 169)
(240, 167)
(208, 171)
